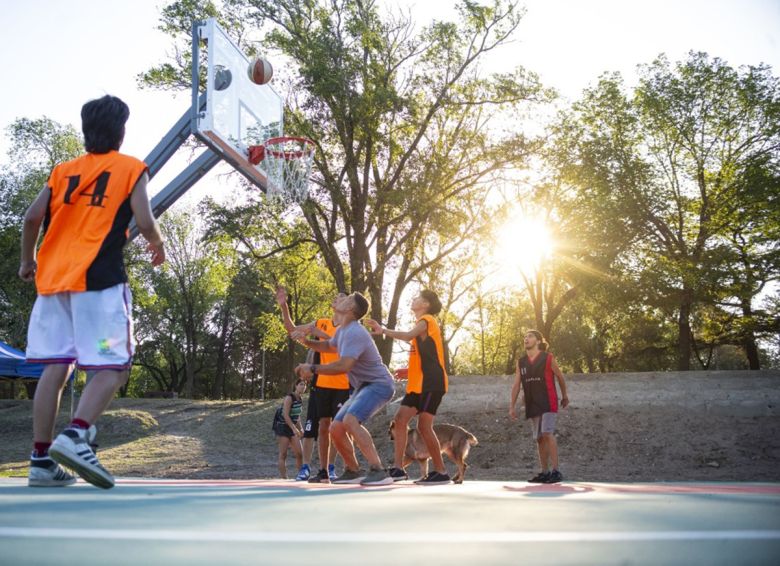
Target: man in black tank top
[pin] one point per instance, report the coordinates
(535, 377)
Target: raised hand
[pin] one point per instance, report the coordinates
(374, 326)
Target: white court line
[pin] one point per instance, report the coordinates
(385, 536)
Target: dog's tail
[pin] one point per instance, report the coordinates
(471, 439)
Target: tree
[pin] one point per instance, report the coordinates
(403, 125)
(673, 162)
(496, 330)
(37, 145)
(176, 304)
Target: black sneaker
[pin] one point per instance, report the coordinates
(320, 477)
(554, 477)
(434, 478)
(397, 474)
(541, 477)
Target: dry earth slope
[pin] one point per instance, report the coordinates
(704, 426)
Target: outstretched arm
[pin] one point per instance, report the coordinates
(342, 365)
(289, 325)
(316, 345)
(419, 329)
(281, 300)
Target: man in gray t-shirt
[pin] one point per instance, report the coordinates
(354, 341)
(373, 384)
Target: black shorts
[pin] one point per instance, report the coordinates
(311, 426)
(280, 428)
(329, 401)
(425, 402)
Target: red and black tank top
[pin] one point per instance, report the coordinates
(538, 381)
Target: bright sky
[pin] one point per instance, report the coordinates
(59, 54)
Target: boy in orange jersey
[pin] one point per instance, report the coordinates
(83, 311)
(426, 385)
(327, 394)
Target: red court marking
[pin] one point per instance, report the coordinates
(691, 489)
(710, 489)
(572, 488)
(284, 484)
(557, 489)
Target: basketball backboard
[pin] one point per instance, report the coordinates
(238, 113)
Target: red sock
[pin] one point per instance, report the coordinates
(41, 449)
(78, 423)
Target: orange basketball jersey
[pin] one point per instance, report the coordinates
(85, 229)
(339, 381)
(426, 361)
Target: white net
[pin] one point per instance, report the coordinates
(287, 163)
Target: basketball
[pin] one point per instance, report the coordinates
(260, 71)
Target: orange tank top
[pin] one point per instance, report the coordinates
(426, 360)
(338, 381)
(85, 229)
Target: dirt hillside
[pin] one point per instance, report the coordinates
(704, 426)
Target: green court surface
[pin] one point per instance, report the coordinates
(284, 522)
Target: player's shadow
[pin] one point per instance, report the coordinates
(549, 490)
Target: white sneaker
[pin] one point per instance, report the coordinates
(71, 448)
(45, 472)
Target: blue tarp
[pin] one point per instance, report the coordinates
(12, 364)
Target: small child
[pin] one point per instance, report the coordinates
(287, 428)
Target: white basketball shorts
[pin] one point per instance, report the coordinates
(92, 328)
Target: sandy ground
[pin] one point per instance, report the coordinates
(703, 426)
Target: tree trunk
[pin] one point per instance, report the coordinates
(218, 389)
(749, 338)
(684, 329)
(30, 387)
(751, 350)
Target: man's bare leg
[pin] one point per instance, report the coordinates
(46, 403)
(99, 393)
(341, 439)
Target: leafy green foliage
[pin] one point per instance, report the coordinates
(36, 146)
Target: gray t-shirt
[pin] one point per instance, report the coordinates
(354, 341)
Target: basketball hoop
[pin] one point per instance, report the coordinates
(287, 162)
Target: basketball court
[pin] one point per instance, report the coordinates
(146, 521)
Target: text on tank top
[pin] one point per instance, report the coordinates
(85, 228)
(538, 381)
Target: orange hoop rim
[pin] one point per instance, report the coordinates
(295, 154)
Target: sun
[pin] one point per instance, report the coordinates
(521, 244)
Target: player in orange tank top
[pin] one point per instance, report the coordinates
(327, 394)
(426, 385)
(85, 209)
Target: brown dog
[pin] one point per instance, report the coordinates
(455, 443)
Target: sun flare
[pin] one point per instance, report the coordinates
(521, 244)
